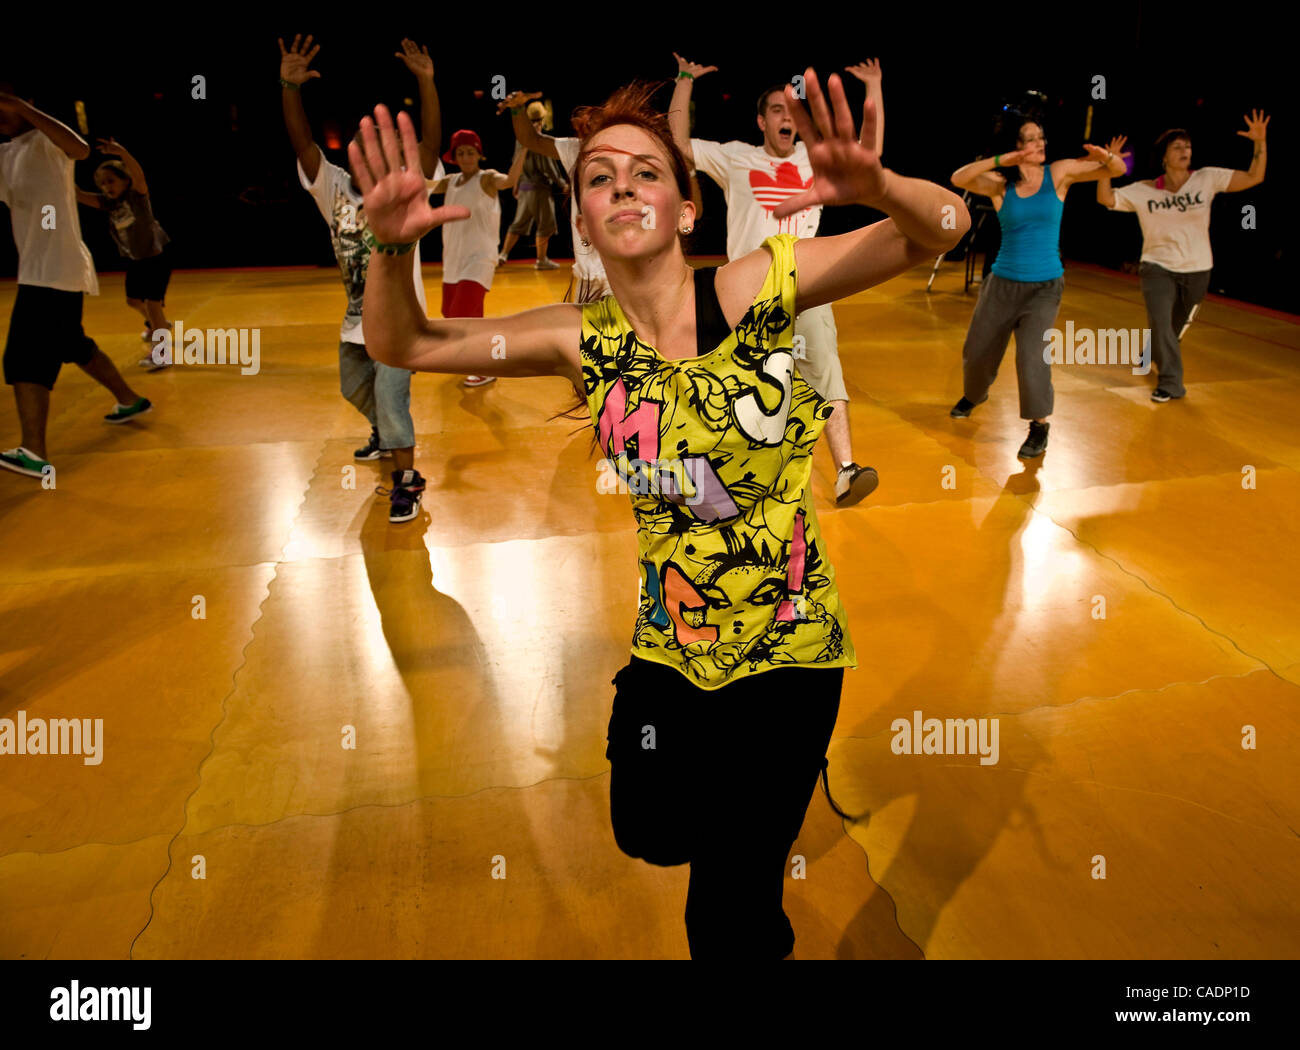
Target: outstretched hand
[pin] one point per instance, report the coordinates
(1256, 126)
(866, 71)
(516, 99)
(111, 147)
(693, 68)
(294, 61)
(844, 170)
(1102, 154)
(416, 58)
(391, 182)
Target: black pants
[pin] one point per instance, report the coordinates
(720, 780)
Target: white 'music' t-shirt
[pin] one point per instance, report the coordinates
(754, 182)
(1176, 226)
(586, 262)
(36, 181)
(341, 207)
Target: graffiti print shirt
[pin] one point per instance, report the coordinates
(716, 451)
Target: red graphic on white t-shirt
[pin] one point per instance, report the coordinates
(769, 191)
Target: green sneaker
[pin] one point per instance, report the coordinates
(121, 415)
(22, 461)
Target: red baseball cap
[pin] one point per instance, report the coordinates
(464, 137)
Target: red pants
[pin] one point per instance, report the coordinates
(463, 299)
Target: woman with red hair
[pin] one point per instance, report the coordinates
(741, 640)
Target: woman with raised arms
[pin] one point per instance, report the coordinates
(741, 640)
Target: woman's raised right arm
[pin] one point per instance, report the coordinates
(537, 342)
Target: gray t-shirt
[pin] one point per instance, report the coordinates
(136, 231)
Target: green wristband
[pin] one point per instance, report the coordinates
(688, 76)
(515, 110)
(292, 87)
(997, 160)
(386, 249)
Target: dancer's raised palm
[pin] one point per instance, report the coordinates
(387, 171)
(844, 170)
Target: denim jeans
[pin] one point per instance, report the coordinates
(380, 393)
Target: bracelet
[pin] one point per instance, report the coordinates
(997, 160)
(386, 249)
(688, 76)
(515, 110)
(292, 87)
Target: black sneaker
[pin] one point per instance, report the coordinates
(404, 496)
(860, 483)
(1161, 396)
(1036, 444)
(372, 449)
(962, 408)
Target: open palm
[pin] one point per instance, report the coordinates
(1256, 126)
(844, 170)
(388, 174)
(295, 60)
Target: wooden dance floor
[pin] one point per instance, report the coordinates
(470, 652)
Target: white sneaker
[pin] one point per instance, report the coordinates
(478, 380)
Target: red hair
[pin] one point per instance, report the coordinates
(628, 105)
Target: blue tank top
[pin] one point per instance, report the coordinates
(1031, 234)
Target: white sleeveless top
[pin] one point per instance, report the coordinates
(470, 246)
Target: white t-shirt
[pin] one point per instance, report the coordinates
(586, 261)
(342, 208)
(36, 181)
(1176, 226)
(754, 183)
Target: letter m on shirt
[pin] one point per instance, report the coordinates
(618, 426)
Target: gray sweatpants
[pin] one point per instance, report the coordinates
(1171, 300)
(1027, 309)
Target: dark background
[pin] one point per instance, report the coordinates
(223, 178)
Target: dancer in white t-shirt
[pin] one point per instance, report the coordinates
(1174, 211)
(470, 246)
(380, 393)
(55, 273)
(756, 180)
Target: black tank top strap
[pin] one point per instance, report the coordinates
(711, 327)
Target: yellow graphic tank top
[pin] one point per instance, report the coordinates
(716, 454)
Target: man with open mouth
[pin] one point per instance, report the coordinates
(755, 181)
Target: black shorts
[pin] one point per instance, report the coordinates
(44, 335)
(148, 278)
